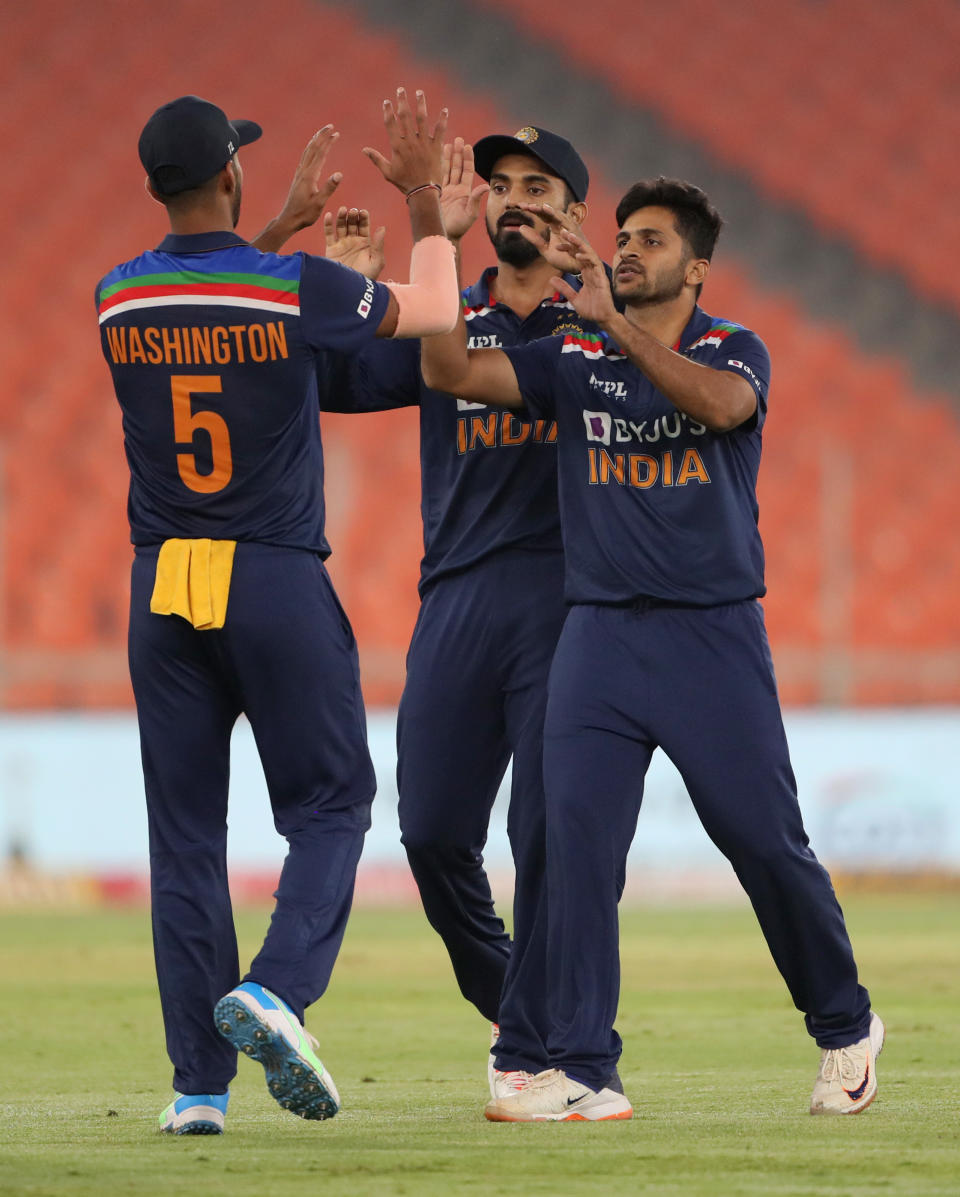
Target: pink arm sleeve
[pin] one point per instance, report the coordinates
(430, 303)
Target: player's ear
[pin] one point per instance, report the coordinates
(578, 211)
(697, 271)
(148, 188)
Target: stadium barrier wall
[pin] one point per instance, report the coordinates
(880, 792)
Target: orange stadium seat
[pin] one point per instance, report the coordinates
(850, 445)
(820, 138)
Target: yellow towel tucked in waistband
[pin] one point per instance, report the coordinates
(193, 580)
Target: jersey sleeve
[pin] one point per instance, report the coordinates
(535, 366)
(339, 307)
(745, 354)
(384, 376)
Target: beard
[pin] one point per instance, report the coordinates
(511, 246)
(660, 289)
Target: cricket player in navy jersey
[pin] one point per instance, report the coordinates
(212, 346)
(491, 587)
(659, 417)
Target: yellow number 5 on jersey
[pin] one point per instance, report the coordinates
(186, 421)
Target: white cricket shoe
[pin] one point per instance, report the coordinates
(503, 1084)
(847, 1080)
(552, 1096)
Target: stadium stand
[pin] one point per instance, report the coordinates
(858, 146)
(859, 489)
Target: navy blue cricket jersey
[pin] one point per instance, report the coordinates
(653, 503)
(213, 348)
(488, 477)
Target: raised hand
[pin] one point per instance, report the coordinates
(309, 192)
(308, 195)
(459, 198)
(594, 300)
(416, 152)
(349, 240)
(551, 247)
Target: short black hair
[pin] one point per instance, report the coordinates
(186, 197)
(697, 220)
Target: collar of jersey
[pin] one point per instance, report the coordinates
(697, 325)
(479, 294)
(198, 243)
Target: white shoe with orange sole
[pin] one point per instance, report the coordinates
(503, 1084)
(552, 1096)
(847, 1080)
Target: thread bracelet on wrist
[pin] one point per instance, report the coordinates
(422, 187)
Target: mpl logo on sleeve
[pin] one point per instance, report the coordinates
(598, 425)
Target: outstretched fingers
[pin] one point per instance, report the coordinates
(317, 149)
(416, 152)
(349, 222)
(395, 132)
(532, 236)
(440, 128)
(578, 247)
(329, 229)
(382, 164)
(421, 113)
(325, 191)
(458, 164)
(564, 288)
(468, 168)
(555, 219)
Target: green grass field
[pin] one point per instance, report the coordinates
(715, 1061)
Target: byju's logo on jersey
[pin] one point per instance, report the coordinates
(363, 307)
(606, 429)
(609, 387)
(598, 426)
(744, 367)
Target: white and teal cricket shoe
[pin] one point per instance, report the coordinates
(195, 1114)
(263, 1027)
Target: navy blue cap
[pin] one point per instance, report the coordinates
(554, 151)
(188, 141)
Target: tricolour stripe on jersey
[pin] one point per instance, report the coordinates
(193, 287)
(221, 301)
(589, 346)
(714, 335)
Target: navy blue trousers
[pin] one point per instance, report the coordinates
(475, 694)
(699, 684)
(286, 657)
